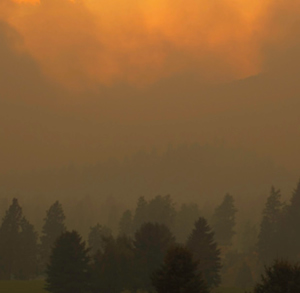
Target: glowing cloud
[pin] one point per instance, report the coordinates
(82, 43)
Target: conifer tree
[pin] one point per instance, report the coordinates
(141, 213)
(179, 273)
(29, 250)
(69, 268)
(126, 224)
(54, 226)
(204, 248)
(291, 226)
(224, 221)
(97, 238)
(151, 242)
(113, 268)
(18, 243)
(281, 277)
(268, 239)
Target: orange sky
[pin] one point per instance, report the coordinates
(149, 73)
(84, 42)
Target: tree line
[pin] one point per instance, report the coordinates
(147, 235)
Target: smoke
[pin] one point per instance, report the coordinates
(83, 43)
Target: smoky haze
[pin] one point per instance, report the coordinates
(79, 87)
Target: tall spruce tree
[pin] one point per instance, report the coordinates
(29, 250)
(69, 268)
(291, 226)
(18, 242)
(204, 248)
(268, 239)
(151, 242)
(224, 221)
(179, 273)
(54, 226)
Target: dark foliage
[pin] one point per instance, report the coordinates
(97, 238)
(18, 245)
(69, 267)
(179, 273)
(224, 221)
(151, 243)
(113, 269)
(204, 248)
(54, 226)
(281, 277)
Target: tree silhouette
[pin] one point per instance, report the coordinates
(281, 277)
(151, 242)
(113, 269)
(53, 227)
(29, 249)
(184, 221)
(18, 243)
(178, 273)
(224, 221)
(97, 238)
(268, 238)
(291, 227)
(126, 224)
(201, 243)
(68, 270)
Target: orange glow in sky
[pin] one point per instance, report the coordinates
(81, 43)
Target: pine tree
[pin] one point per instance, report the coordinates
(141, 213)
(69, 267)
(29, 249)
(54, 226)
(113, 268)
(18, 242)
(126, 224)
(291, 226)
(204, 248)
(268, 238)
(224, 221)
(184, 221)
(151, 242)
(97, 238)
(281, 277)
(178, 273)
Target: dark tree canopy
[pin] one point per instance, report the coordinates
(179, 273)
(224, 221)
(18, 245)
(54, 226)
(268, 239)
(126, 224)
(97, 238)
(204, 248)
(151, 242)
(184, 221)
(291, 226)
(68, 270)
(160, 210)
(113, 269)
(281, 277)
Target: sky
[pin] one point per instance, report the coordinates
(81, 81)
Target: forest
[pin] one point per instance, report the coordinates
(157, 246)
